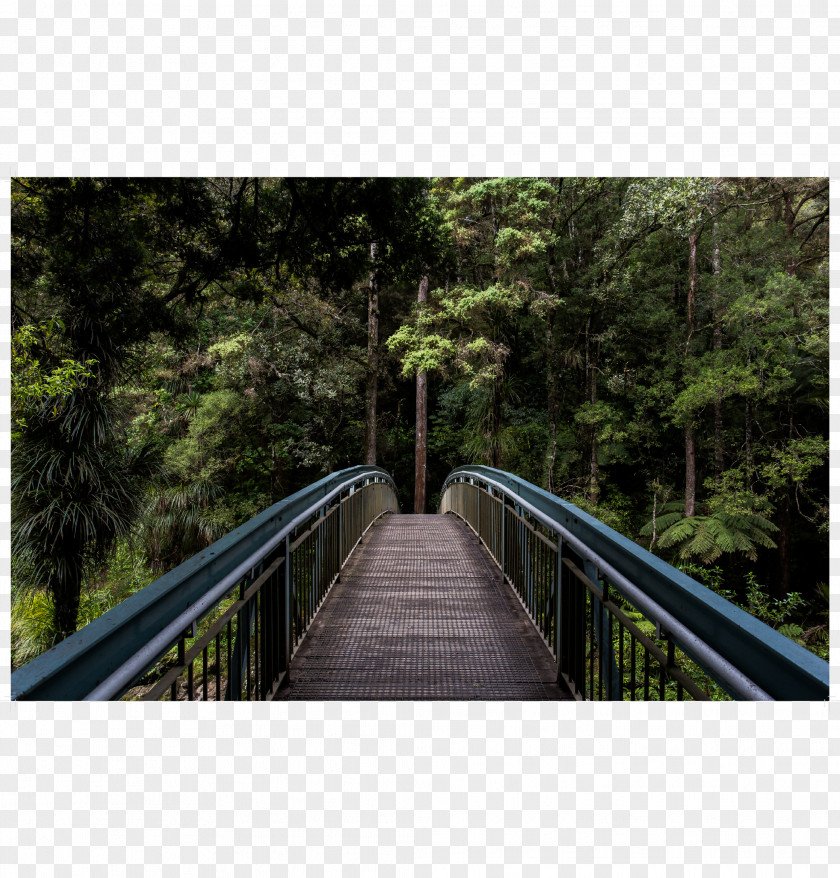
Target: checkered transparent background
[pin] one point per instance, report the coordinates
(466, 88)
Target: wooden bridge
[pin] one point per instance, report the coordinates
(508, 593)
(420, 612)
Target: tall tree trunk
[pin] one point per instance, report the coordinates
(783, 541)
(66, 595)
(748, 445)
(690, 458)
(594, 491)
(373, 361)
(551, 391)
(717, 340)
(784, 520)
(690, 471)
(592, 394)
(784, 507)
(420, 441)
(790, 268)
(692, 280)
(496, 425)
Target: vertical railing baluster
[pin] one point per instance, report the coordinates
(247, 642)
(218, 667)
(592, 645)
(558, 605)
(270, 633)
(605, 640)
(181, 662)
(621, 660)
(478, 510)
(257, 647)
(610, 671)
(229, 667)
(582, 595)
(287, 616)
(277, 602)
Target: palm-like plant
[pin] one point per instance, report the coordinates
(77, 486)
(707, 537)
(178, 524)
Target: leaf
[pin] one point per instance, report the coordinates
(707, 537)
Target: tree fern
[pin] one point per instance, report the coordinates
(707, 537)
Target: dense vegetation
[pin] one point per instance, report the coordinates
(187, 352)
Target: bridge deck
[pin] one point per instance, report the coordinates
(420, 614)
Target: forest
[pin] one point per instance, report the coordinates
(186, 352)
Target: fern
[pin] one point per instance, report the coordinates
(793, 631)
(707, 537)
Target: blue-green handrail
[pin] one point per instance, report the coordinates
(780, 667)
(76, 666)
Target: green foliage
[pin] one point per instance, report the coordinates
(33, 385)
(794, 461)
(209, 448)
(789, 615)
(77, 488)
(673, 202)
(178, 524)
(614, 509)
(710, 381)
(33, 621)
(711, 577)
(219, 326)
(753, 598)
(422, 352)
(769, 610)
(793, 631)
(707, 537)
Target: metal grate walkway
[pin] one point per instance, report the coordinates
(420, 614)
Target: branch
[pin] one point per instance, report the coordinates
(808, 196)
(655, 226)
(296, 320)
(822, 255)
(820, 220)
(806, 219)
(582, 205)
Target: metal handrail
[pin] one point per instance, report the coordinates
(104, 658)
(747, 658)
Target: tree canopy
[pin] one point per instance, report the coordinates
(188, 351)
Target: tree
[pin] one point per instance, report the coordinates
(617, 341)
(78, 486)
(373, 362)
(421, 419)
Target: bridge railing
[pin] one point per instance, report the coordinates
(224, 624)
(623, 624)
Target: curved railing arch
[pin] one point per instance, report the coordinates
(539, 540)
(248, 598)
